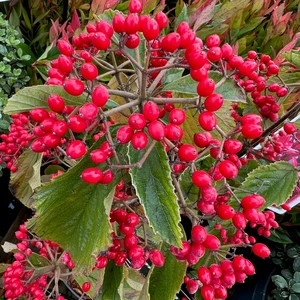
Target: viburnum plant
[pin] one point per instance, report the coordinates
(135, 129)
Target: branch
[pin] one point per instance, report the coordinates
(121, 108)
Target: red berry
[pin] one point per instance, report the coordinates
(213, 102)
(187, 153)
(101, 41)
(137, 121)
(91, 175)
(100, 95)
(151, 30)
(161, 19)
(204, 275)
(252, 201)
(124, 134)
(98, 156)
(198, 234)
(132, 23)
(239, 220)
(118, 23)
(139, 140)
(173, 132)
(135, 252)
(201, 179)
(156, 130)
(177, 116)
(89, 71)
(77, 124)
(150, 111)
(64, 47)
(192, 286)
(135, 6)
(38, 114)
(228, 169)
(88, 111)
(133, 40)
(207, 120)
(76, 149)
(107, 177)
(199, 74)
(205, 87)
(195, 56)
(208, 292)
(250, 131)
(212, 242)
(261, 250)
(157, 258)
(171, 42)
(251, 119)
(56, 103)
(232, 146)
(213, 41)
(86, 286)
(202, 140)
(74, 86)
(225, 212)
(289, 128)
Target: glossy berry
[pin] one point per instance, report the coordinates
(157, 258)
(207, 120)
(86, 286)
(100, 95)
(202, 140)
(74, 86)
(98, 156)
(132, 41)
(151, 30)
(38, 114)
(131, 24)
(214, 102)
(118, 23)
(77, 124)
(64, 47)
(212, 242)
(76, 149)
(124, 134)
(91, 175)
(135, 6)
(56, 103)
(88, 111)
(252, 119)
(204, 275)
(252, 131)
(232, 146)
(139, 140)
(208, 292)
(171, 42)
(173, 132)
(225, 212)
(201, 179)
(289, 128)
(137, 121)
(101, 41)
(156, 130)
(228, 169)
(89, 71)
(177, 116)
(261, 250)
(205, 87)
(252, 201)
(187, 153)
(150, 111)
(199, 234)
(161, 19)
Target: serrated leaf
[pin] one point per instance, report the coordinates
(27, 178)
(171, 75)
(76, 214)
(275, 182)
(36, 96)
(279, 281)
(154, 188)
(229, 89)
(161, 287)
(113, 278)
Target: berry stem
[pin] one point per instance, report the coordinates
(174, 100)
(120, 108)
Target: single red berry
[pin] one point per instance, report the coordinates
(65, 64)
(173, 132)
(132, 23)
(187, 153)
(199, 74)
(100, 95)
(228, 169)
(289, 128)
(139, 140)
(120, 258)
(215, 270)
(124, 134)
(74, 86)
(101, 41)
(252, 201)
(214, 54)
(86, 286)
(157, 258)
(227, 51)
(76, 149)
(161, 19)
(192, 286)
(98, 156)
(135, 252)
(171, 42)
(64, 47)
(213, 41)
(151, 30)
(212, 242)
(239, 220)
(201, 179)
(214, 102)
(225, 212)
(252, 131)
(232, 146)
(77, 124)
(107, 177)
(205, 87)
(56, 103)
(91, 175)
(207, 120)
(196, 57)
(177, 116)
(208, 292)
(137, 121)
(204, 275)
(198, 234)
(183, 27)
(156, 130)
(202, 140)
(187, 39)
(38, 114)
(251, 119)
(88, 111)
(118, 23)
(132, 41)
(150, 111)
(89, 71)
(261, 250)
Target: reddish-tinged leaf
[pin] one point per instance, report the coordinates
(99, 6)
(54, 31)
(277, 13)
(110, 4)
(75, 22)
(203, 14)
(279, 58)
(272, 7)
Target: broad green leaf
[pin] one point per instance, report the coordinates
(296, 264)
(214, 28)
(279, 237)
(171, 75)
(296, 287)
(154, 188)
(144, 294)
(3, 267)
(279, 281)
(95, 278)
(38, 260)
(293, 57)
(76, 214)
(275, 182)
(36, 96)
(228, 9)
(27, 177)
(288, 78)
(149, 6)
(287, 274)
(166, 281)
(229, 89)
(297, 276)
(4, 125)
(113, 278)
(246, 169)
(183, 16)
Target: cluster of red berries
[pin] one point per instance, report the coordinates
(15, 141)
(128, 247)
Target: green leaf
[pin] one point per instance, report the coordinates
(287, 274)
(296, 287)
(113, 278)
(279, 281)
(293, 57)
(166, 281)
(183, 16)
(279, 237)
(139, 53)
(228, 9)
(292, 252)
(171, 75)
(76, 214)
(36, 96)
(4, 125)
(38, 260)
(275, 182)
(297, 276)
(3, 267)
(149, 6)
(27, 177)
(95, 278)
(229, 89)
(154, 188)
(296, 264)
